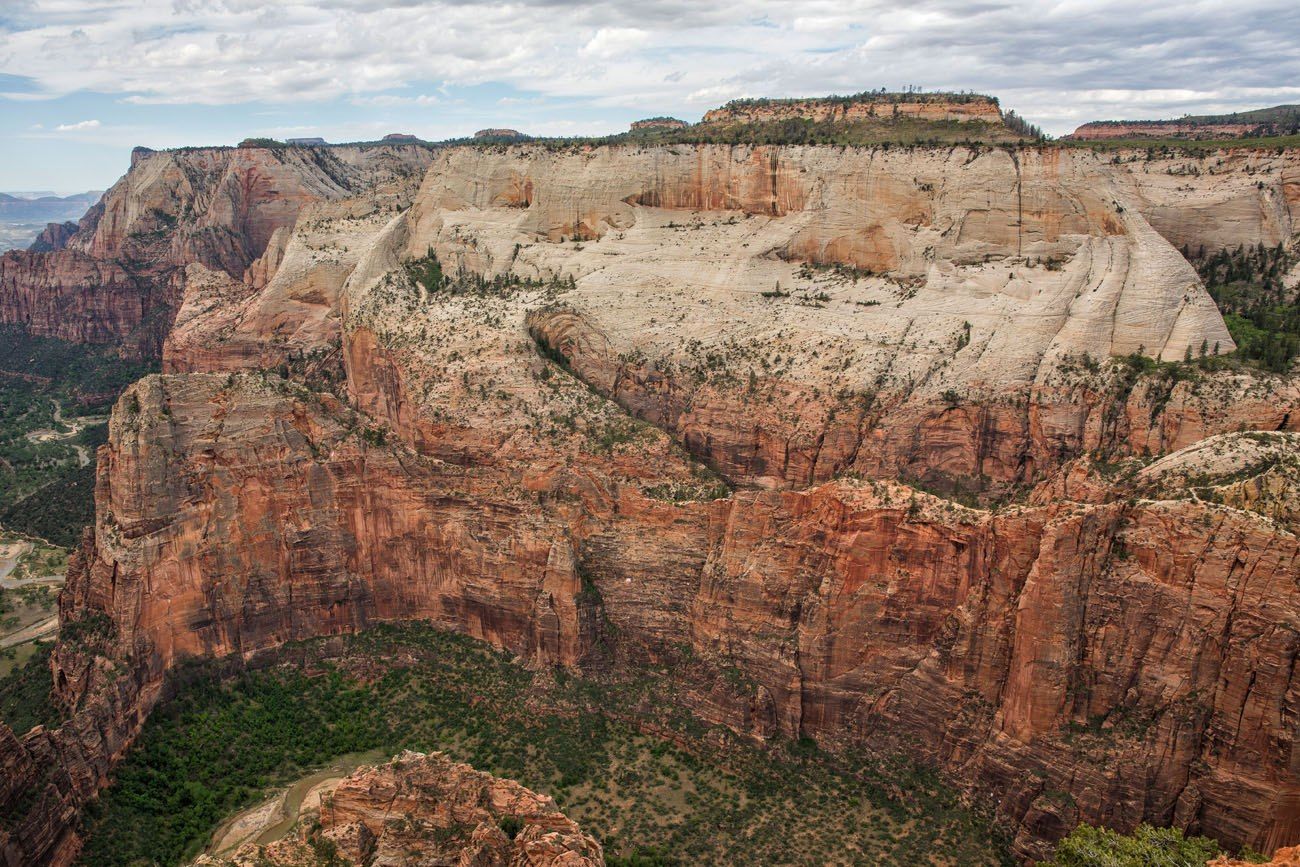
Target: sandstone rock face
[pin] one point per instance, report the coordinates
(522, 454)
(941, 238)
(287, 305)
(119, 277)
(932, 108)
(70, 295)
(55, 236)
(1105, 651)
(1228, 198)
(792, 314)
(427, 809)
(1287, 857)
(1101, 130)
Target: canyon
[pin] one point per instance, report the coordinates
(904, 436)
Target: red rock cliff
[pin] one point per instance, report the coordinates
(1113, 650)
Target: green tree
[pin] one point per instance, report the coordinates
(1089, 846)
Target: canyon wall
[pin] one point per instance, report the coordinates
(1083, 660)
(632, 425)
(1218, 199)
(795, 314)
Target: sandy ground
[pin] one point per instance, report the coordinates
(247, 825)
(311, 802)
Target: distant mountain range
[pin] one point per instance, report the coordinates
(24, 216)
(45, 209)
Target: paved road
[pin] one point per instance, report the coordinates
(10, 554)
(42, 629)
(74, 427)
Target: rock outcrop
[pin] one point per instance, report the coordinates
(963, 108)
(664, 123)
(613, 406)
(1102, 130)
(427, 809)
(1287, 857)
(55, 236)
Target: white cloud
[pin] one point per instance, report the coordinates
(389, 99)
(79, 126)
(1055, 61)
(613, 42)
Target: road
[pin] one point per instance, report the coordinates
(46, 627)
(74, 426)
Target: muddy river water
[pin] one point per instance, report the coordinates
(273, 818)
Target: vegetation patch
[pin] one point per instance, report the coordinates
(219, 743)
(48, 388)
(1088, 846)
(25, 693)
(1262, 315)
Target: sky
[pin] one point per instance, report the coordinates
(83, 81)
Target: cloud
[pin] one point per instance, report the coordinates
(389, 99)
(1055, 61)
(79, 126)
(614, 42)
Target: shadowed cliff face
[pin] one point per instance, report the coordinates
(523, 459)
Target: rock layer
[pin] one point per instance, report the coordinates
(927, 107)
(1101, 130)
(1220, 199)
(1076, 661)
